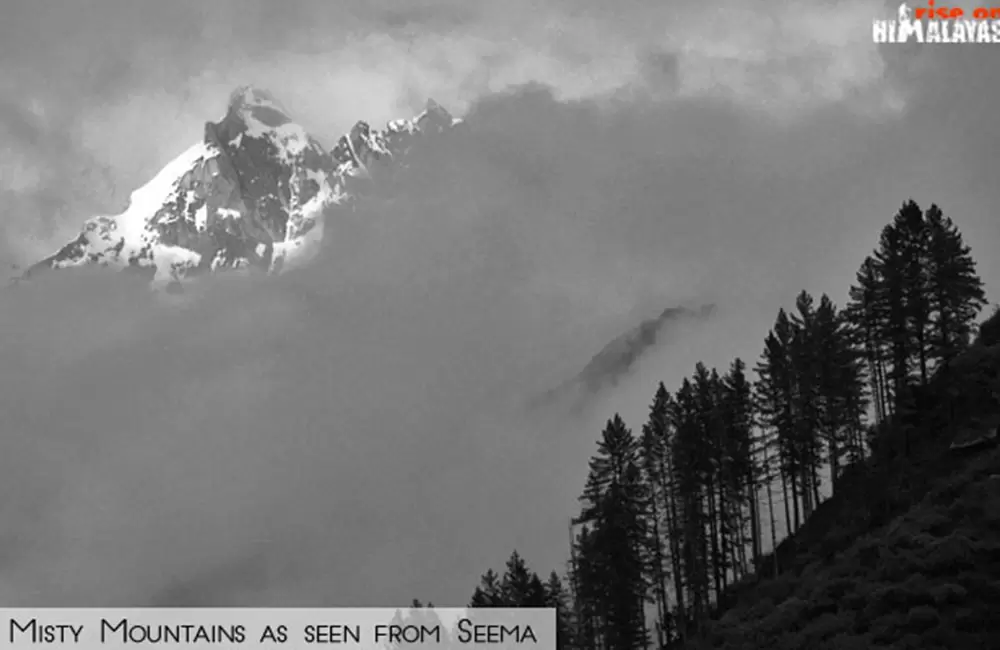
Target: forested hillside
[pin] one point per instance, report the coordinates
(707, 526)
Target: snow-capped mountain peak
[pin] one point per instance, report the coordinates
(365, 152)
(254, 193)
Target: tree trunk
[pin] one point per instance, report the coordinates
(787, 501)
(737, 552)
(883, 388)
(795, 499)
(805, 489)
(673, 531)
(873, 377)
(724, 535)
(659, 571)
(754, 520)
(713, 526)
(742, 548)
(815, 487)
(922, 343)
(834, 451)
(770, 507)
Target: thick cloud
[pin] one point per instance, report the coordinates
(353, 433)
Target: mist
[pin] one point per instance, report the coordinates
(350, 434)
(353, 433)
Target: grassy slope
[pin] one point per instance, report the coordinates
(906, 555)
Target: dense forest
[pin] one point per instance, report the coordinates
(707, 527)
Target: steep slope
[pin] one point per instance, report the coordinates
(254, 193)
(906, 554)
(619, 356)
(928, 578)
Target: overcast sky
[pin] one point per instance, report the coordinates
(351, 434)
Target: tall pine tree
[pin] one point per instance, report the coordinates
(615, 504)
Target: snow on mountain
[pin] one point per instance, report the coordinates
(254, 193)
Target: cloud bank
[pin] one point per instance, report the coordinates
(352, 434)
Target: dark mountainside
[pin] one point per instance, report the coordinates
(618, 357)
(896, 395)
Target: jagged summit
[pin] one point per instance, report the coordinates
(365, 155)
(436, 114)
(433, 118)
(254, 193)
(249, 96)
(433, 107)
(245, 100)
(256, 113)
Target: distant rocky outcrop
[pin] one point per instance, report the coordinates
(619, 356)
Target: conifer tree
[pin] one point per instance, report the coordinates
(557, 597)
(661, 424)
(955, 292)
(489, 592)
(516, 585)
(707, 453)
(587, 578)
(422, 616)
(688, 456)
(768, 471)
(652, 451)
(913, 307)
(867, 318)
(615, 503)
(669, 517)
(909, 221)
(841, 386)
(742, 471)
(804, 362)
(519, 587)
(890, 268)
(775, 397)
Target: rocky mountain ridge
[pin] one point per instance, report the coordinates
(619, 357)
(255, 193)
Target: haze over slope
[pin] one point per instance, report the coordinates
(351, 433)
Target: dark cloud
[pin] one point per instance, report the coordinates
(619, 357)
